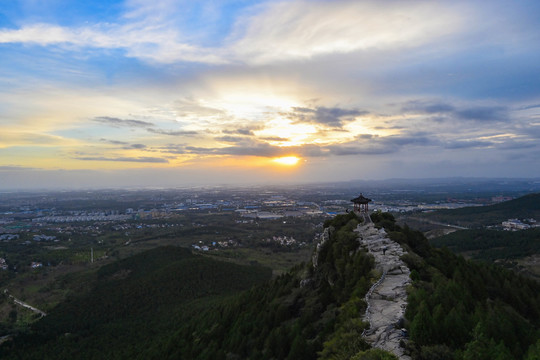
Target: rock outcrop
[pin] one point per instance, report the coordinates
(387, 298)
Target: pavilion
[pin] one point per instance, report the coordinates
(361, 204)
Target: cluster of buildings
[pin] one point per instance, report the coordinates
(214, 245)
(34, 265)
(284, 241)
(516, 224)
(44, 238)
(81, 218)
(9, 237)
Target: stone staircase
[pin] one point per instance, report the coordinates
(387, 298)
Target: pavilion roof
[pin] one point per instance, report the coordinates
(361, 199)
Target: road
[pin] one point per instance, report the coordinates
(23, 304)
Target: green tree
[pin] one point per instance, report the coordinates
(374, 354)
(482, 348)
(423, 326)
(534, 352)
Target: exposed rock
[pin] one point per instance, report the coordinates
(387, 298)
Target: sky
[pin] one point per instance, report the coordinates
(171, 93)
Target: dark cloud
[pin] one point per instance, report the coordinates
(230, 139)
(242, 131)
(137, 146)
(365, 136)
(467, 144)
(173, 132)
(427, 107)
(124, 159)
(274, 138)
(116, 122)
(531, 131)
(483, 113)
(518, 145)
(124, 144)
(422, 139)
(344, 150)
(332, 117)
(475, 113)
(259, 149)
(535, 106)
(114, 142)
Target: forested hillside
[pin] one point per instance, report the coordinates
(130, 303)
(516, 250)
(170, 304)
(460, 309)
(527, 206)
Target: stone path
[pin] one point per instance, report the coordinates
(387, 299)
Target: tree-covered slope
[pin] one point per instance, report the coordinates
(459, 309)
(170, 304)
(131, 303)
(484, 244)
(527, 206)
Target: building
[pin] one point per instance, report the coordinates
(361, 204)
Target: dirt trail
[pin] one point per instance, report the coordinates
(387, 299)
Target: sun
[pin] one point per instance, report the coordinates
(287, 160)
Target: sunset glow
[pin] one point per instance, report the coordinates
(345, 88)
(287, 160)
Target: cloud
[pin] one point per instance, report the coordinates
(468, 144)
(123, 159)
(231, 139)
(260, 149)
(113, 142)
(342, 150)
(274, 138)
(512, 144)
(124, 144)
(136, 146)
(116, 122)
(15, 168)
(480, 113)
(262, 34)
(418, 139)
(528, 107)
(301, 30)
(146, 41)
(242, 131)
(188, 107)
(483, 113)
(332, 117)
(173, 132)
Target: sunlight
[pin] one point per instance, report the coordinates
(287, 160)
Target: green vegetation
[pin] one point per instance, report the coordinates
(69, 251)
(168, 303)
(132, 301)
(458, 309)
(491, 245)
(527, 206)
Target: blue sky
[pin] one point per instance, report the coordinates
(173, 93)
